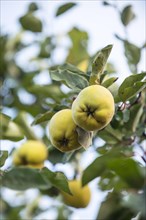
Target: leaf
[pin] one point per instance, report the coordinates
(13, 132)
(133, 54)
(98, 166)
(9, 129)
(64, 8)
(99, 64)
(33, 7)
(128, 170)
(84, 137)
(23, 178)
(22, 121)
(71, 79)
(135, 115)
(131, 86)
(5, 119)
(127, 15)
(78, 52)
(51, 91)
(107, 83)
(57, 179)
(31, 23)
(134, 199)
(110, 136)
(43, 117)
(3, 157)
(112, 208)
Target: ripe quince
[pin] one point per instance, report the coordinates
(80, 197)
(93, 108)
(62, 131)
(32, 154)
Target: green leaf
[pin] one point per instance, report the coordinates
(23, 178)
(9, 129)
(107, 83)
(31, 23)
(133, 54)
(134, 199)
(43, 117)
(57, 179)
(71, 79)
(135, 115)
(112, 208)
(63, 8)
(46, 47)
(33, 7)
(99, 64)
(110, 136)
(3, 157)
(128, 170)
(98, 166)
(50, 91)
(127, 15)
(131, 86)
(22, 121)
(78, 52)
(13, 132)
(5, 119)
(55, 156)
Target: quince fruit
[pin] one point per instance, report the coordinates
(93, 108)
(32, 154)
(80, 197)
(62, 131)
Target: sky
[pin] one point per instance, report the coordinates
(101, 23)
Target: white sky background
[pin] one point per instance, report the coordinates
(101, 23)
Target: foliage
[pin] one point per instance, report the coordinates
(31, 104)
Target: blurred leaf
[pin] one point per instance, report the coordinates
(13, 132)
(55, 156)
(23, 178)
(22, 121)
(127, 15)
(71, 79)
(133, 54)
(31, 23)
(110, 135)
(135, 114)
(126, 115)
(128, 170)
(46, 47)
(107, 83)
(99, 64)
(131, 86)
(50, 91)
(105, 3)
(43, 117)
(136, 202)
(9, 130)
(78, 51)
(63, 8)
(111, 209)
(5, 119)
(3, 157)
(33, 7)
(57, 179)
(98, 166)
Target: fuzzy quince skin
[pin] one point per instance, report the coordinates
(62, 131)
(80, 197)
(32, 154)
(93, 108)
